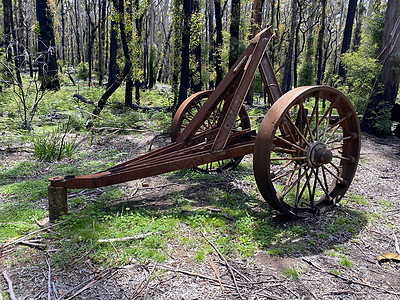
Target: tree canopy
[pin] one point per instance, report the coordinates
(190, 44)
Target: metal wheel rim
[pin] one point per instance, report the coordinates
(270, 139)
(184, 114)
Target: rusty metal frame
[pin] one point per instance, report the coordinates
(191, 147)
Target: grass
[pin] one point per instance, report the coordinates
(235, 219)
(294, 272)
(345, 262)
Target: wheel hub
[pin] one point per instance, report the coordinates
(318, 154)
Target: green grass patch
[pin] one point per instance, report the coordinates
(294, 272)
(18, 218)
(23, 168)
(345, 262)
(26, 190)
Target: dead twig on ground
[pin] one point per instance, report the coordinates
(214, 267)
(48, 281)
(33, 245)
(86, 285)
(128, 238)
(144, 284)
(117, 129)
(225, 261)
(396, 243)
(349, 279)
(22, 238)
(10, 287)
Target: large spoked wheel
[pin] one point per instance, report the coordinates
(189, 109)
(306, 151)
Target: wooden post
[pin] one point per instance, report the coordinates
(58, 205)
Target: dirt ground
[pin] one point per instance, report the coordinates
(260, 276)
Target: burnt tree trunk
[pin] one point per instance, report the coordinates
(196, 74)
(234, 49)
(47, 61)
(376, 119)
(218, 43)
(287, 73)
(119, 5)
(185, 54)
(112, 65)
(348, 30)
(320, 42)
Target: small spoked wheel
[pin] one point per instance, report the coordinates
(186, 113)
(307, 150)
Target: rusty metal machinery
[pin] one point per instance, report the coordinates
(305, 153)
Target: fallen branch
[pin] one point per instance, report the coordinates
(214, 267)
(396, 243)
(33, 233)
(225, 261)
(16, 149)
(144, 284)
(116, 129)
(104, 274)
(348, 279)
(225, 284)
(128, 238)
(48, 281)
(157, 108)
(10, 287)
(83, 99)
(33, 245)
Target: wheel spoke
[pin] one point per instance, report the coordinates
(284, 193)
(291, 144)
(317, 118)
(297, 130)
(312, 152)
(333, 174)
(308, 125)
(287, 172)
(325, 190)
(341, 139)
(288, 158)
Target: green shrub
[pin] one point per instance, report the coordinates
(361, 72)
(83, 70)
(54, 145)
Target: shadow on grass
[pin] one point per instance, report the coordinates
(237, 219)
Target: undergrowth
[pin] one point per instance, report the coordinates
(235, 219)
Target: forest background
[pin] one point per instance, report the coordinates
(85, 84)
(190, 45)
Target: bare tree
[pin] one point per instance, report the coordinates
(47, 60)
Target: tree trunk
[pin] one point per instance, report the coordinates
(376, 119)
(102, 37)
(62, 30)
(112, 66)
(129, 92)
(119, 5)
(138, 24)
(185, 54)
(196, 74)
(357, 30)
(211, 41)
(320, 41)
(256, 23)
(287, 73)
(129, 80)
(47, 61)
(348, 30)
(77, 32)
(7, 12)
(218, 44)
(234, 49)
